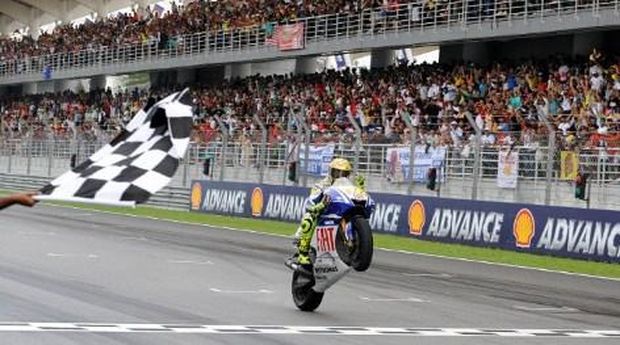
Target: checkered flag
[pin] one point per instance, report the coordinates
(139, 162)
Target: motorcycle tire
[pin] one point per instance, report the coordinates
(362, 256)
(305, 298)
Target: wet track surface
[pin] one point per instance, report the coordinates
(79, 277)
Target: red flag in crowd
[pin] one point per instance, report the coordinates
(287, 37)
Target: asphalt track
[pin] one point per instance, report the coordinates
(71, 276)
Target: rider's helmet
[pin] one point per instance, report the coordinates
(339, 167)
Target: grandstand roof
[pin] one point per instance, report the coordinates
(17, 14)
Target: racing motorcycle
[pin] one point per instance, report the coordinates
(341, 241)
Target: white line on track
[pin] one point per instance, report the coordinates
(249, 292)
(546, 309)
(36, 233)
(429, 275)
(191, 262)
(69, 255)
(408, 299)
(584, 275)
(87, 327)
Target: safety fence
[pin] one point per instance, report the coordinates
(412, 16)
(519, 174)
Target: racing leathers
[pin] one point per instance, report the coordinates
(315, 204)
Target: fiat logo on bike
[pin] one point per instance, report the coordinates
(256, 202)
(417, 217)
(325, 239)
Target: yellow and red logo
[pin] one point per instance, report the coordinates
(524, 228)
(416, 217)
(257, 202)
(196, 197)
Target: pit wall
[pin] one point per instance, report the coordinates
(558, 231)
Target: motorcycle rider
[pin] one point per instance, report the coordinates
(317, 202)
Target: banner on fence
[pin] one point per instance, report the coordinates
(285, 36)
(561, 231)
(507, 169)
(569, 165)
(319, 157)
(397, 160)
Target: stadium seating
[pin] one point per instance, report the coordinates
(582, 98)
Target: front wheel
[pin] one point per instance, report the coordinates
(305, 298)
(362, 254)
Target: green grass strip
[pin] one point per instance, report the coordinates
(385, 241)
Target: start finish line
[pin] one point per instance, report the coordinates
(298, 330)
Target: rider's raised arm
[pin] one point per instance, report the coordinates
(316, 195)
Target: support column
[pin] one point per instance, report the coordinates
(382, 58)
(186, 76)
(98, 82)
(477, 52)
(211, 74)
(29, 89)
(584, 42)
(241, 70)
(306, 65)
(450, 53)
(61, 85)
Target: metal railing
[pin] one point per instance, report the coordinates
(413, 16)
(255, 162)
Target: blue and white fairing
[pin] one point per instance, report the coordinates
(345, 200)
(344, 196)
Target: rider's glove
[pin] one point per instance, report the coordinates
(315, 210)
(326, 200)
(360, 182)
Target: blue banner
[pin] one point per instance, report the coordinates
(398, 163)
(560, 231)
(318, 159)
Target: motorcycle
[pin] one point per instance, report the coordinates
(342, 241)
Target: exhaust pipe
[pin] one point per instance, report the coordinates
(290, 263)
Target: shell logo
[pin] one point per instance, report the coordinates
(257, 202)
(196, 197)
(523, 228)
(417, 217)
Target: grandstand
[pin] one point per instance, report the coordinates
(504, 67)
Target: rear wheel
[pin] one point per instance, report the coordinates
(361, 257)
(305, 298)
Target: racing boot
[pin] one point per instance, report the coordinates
(303, 244)
(308, 223)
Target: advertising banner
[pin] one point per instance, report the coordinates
(507, 170)
(318, 159)
(397, 160)
(560, 231)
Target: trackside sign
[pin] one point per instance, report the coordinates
(560, 231)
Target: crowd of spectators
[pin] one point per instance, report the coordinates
(151, 26)
(581, 98)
